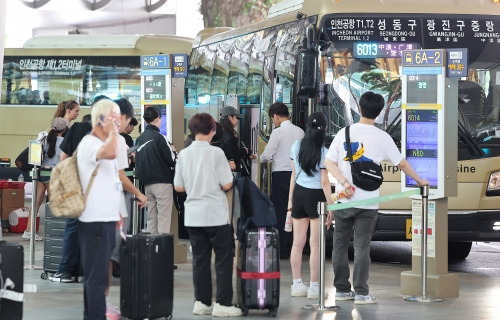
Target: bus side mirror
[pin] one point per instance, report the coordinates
(307, 72)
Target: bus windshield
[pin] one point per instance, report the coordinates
(360, 54)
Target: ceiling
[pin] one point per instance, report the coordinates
(52, 17)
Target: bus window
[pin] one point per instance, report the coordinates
(191, 97)
(220, 74)
(255, 67)
(239, 67)
(69, 77)
(205, 78)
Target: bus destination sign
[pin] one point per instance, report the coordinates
(431, 30)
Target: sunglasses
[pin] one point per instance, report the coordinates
(69, 104)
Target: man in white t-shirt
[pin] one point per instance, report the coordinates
(127, 113)
(98, 222)
(368, 143)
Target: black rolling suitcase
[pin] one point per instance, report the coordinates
(52, 248)
(258, 270)
(53, 239)
(147, 276)
(12, 272)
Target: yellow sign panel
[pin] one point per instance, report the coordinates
(423, 106)
(35, 153)
(409, 234)
(155, 102)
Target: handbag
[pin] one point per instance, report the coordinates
(66, 197)
(366, 175)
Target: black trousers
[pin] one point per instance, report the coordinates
(280, 187)
(203, 240)
(97, 240)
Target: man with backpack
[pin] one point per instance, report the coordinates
(371, 144)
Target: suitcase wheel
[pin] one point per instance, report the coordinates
(44, 276)
(273, 312)
(245, 312)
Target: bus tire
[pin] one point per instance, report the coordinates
(459, 250)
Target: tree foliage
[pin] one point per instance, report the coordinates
(234, 13)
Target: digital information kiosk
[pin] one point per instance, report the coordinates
(429, 143)
(155, 85)
(162, 87)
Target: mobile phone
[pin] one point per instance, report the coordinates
(100, 121)
(132, 149)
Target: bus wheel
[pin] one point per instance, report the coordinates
(459, 250)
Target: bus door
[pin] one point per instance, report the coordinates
(240, 94)
(268, 98)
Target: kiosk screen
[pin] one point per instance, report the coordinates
(422, 145)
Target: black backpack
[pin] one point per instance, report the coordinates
(254, 206)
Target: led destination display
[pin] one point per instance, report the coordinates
(422, 88)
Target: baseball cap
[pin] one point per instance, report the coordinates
(230, 111)
(59, 124)
(317, 120)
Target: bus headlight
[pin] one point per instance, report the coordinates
(494, 184)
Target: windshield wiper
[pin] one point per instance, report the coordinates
(392, 126)
(466, 137)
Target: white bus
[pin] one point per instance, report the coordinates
(72, 67)
(323, 54)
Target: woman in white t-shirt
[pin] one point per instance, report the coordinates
(205, 179)
(309, 185)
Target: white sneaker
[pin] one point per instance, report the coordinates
(342, 296)
(300, 290)
(112, 312)
(368, 299)
(202, 309)
(27, 236)
(226, 311)
(313, 293)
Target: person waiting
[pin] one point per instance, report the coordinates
(205, 179)
(70, 245)
(309, 185)
(51, 157)
(154, 167)
(46, 98)
(277, 151)
(99, 220)
(68, 110)
(230, 142)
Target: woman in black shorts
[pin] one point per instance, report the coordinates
(309, 185)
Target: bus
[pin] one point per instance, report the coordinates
(52, 69)
(322, 55)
